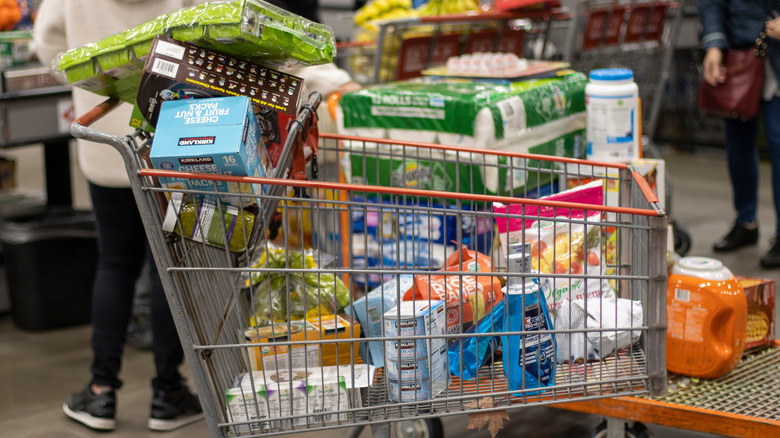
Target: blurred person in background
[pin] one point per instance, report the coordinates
(122, 245)
(736, 24)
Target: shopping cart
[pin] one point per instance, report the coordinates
(439, 201)
(402, 48)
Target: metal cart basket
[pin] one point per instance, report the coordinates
(248, 294)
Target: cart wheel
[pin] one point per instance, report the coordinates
(637, 430)
(682, 240)
(420, 428)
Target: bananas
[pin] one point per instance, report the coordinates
(396, 9)
(383, 10)
(443, 7)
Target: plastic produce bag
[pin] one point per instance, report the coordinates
(198, 219)
(277, 297)
(604, 313)
(562, 244)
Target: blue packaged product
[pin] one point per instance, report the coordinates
(369, 310)
(390, 236)
(475, 350)
(529, 359)
(216, 135)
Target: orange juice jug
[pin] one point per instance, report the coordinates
(706, 318)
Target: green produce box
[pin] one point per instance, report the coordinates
(15, 48)
(252, 30)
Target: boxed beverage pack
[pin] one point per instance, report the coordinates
(215, 135)
(175, 70)
(321, 394)
(370, 308)
(760, 295)
(330, 327)
(418, 369)
(270, 356)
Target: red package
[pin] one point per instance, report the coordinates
(449, 287)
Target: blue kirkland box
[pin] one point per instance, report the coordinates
(214, 135)
(370, 308)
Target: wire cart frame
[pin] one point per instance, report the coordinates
(217, 307)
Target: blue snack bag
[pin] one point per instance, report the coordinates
(475, 349)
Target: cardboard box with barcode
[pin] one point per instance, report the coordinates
(330, 327)
(651, 169)
(216, 135)
(760, 295)
(272, 356)
(177, 70)
(321, 395)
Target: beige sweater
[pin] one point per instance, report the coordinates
(65, 24)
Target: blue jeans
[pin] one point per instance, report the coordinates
(122, 251)
(742, 156)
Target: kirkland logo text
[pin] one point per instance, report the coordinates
(195, 160)
(196, 141)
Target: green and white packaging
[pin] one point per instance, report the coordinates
(543, 116)
(322, 394)
(252, 30)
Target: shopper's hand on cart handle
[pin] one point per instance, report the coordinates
(773, 28)
(714, 71)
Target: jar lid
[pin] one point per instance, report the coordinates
(702, 267)
(612, 74)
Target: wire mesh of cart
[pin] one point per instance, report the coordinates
(401, 49)
(266, 289)
(637, 34)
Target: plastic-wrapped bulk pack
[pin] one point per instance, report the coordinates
(544, 116)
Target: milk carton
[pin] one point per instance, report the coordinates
(370, 308)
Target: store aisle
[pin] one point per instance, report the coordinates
(39, 369)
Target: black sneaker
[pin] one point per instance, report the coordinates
(93, 410)
(174, 409)
(737, 237)
(772, 258)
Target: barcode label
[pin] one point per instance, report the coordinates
(170, 50)
(682, 295)
(322, 418)
(513, 115)
(165, 68)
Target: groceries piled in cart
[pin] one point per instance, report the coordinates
(401, 277)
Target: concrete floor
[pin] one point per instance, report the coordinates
(39, 369)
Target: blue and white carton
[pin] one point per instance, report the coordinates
(369, 310)
(215, 135)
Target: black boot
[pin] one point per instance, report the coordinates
(738, 237)
(772, 258)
